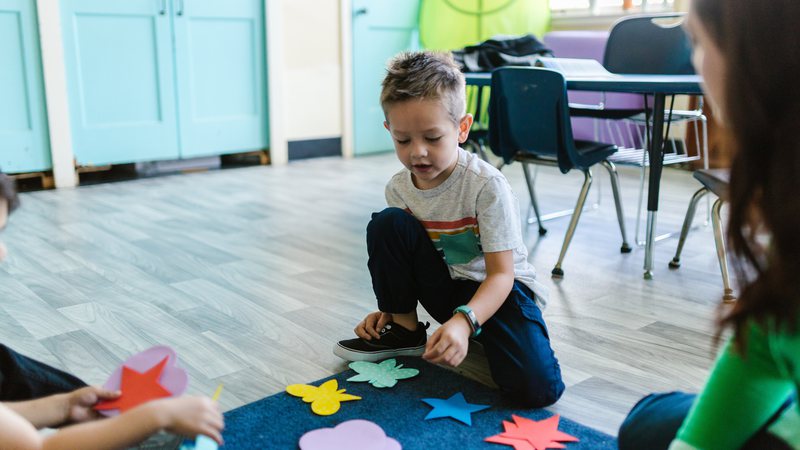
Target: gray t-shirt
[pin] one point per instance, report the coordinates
(472, 212)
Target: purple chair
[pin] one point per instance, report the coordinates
(592, 45)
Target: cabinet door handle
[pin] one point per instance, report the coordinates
(359, 12)
(180, 8)
(163, 9)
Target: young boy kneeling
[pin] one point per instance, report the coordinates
(450, 239)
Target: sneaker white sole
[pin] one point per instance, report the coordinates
(354, 355)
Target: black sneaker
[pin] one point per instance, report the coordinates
(395, 341)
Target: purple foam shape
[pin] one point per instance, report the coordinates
(347, 436)
(173, 378)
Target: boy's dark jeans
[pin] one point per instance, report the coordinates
(406, 268)
(23, 378)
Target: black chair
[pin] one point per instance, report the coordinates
(529, 122)
(653, 44)
(715, 181)
(640, 45)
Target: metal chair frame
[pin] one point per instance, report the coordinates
(719, 240)
(667, 52)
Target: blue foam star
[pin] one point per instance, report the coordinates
(455, 407)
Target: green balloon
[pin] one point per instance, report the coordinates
(453, 24)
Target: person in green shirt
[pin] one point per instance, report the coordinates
(748, 54)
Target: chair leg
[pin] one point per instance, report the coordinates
(704, 121)
(477, 148)
(612, 172)
(687, 224)
(644, 140)
(587, 183)
(529, 182)
(727, 295)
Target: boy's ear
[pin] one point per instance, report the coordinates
(463, 128)
(386, 125)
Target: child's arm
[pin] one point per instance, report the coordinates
(16, 433)
(188, 416)
(450, 343)
(54, 410)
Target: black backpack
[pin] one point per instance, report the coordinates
(501, 51)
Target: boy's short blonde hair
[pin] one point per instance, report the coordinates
(425, 75)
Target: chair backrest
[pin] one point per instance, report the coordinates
(591, 45)
(529, 113)
(651, 44)
(579, 44)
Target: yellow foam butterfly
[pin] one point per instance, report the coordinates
(325, 399)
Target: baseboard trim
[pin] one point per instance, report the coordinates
(315, 148)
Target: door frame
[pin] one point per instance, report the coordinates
(346, 50)
(54, 73)
(346, 42)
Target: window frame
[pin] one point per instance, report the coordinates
(594, 9)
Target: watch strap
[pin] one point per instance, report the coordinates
(471, 318)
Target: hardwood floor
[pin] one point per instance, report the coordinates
(252, 274)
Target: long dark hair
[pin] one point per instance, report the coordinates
(760, 43)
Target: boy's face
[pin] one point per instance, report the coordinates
(426, 139)
(3, 220)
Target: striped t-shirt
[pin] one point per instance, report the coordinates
(472, 212)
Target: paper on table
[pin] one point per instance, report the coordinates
(575, 68)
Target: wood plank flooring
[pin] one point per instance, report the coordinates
(252, 274)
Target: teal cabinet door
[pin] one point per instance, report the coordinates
(381, 29)
(24, 143)
(219, 49)
(120, 80)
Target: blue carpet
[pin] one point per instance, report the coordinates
(278, 421)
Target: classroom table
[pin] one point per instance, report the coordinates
(659, 86)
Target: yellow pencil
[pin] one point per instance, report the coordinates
(217, 393)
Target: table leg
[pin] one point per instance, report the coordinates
(656, 155)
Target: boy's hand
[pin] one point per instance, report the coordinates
(450, 343)
(79, 403)
(370, 327)
(191, 416)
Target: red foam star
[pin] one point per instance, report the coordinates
(527, 434)
(137, 388)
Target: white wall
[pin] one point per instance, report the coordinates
(312, 69)
(56, 99)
